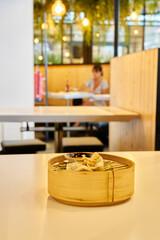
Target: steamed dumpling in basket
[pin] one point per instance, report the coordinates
(94, 163)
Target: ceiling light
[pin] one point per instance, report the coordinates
(136, 32)
(133, 15)
(44, 26)
(64, 38)
(85, 22)
(40, 57)
(58, 8)
(67, 54)
(97, 34)
(36, 40)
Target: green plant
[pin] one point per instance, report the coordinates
(99, 12)
(52, 58)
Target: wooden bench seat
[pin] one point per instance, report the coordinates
(22, 146)
(80, 144)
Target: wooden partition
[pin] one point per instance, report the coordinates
(76, 75)
(134, 85)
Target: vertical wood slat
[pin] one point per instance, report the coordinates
(157, 145)
(134, 87)
(77, 75)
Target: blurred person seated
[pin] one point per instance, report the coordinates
(96, 85)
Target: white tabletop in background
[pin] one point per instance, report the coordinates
(78, 95)
(28, 212)
(101, 97)
(65, 114)
(69, 95)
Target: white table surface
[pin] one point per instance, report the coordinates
(101, 97)
(69, 95)
(78, 95)
(61, 114)
(28, 212)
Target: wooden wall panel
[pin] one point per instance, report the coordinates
(134, 87)
(77, 75)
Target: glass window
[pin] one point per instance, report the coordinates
(66, 43)
(72, 44)
(152, 28)
(102, 47)
(143, 33)
(54, 44)
(152, 37)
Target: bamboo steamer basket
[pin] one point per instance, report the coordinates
(92, 188)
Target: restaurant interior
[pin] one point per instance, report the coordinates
(80, 119)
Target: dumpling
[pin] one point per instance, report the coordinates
(95, 162)
(77, 167)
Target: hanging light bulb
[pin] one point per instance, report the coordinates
(44, 26)
(133, 15)
(136, 32)
(97, 34)
(40, 57)
(58, 8)
(64, 38)
(67, 54)
(85, 22)
(36, 40)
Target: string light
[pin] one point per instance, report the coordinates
(67, 54)
(64, 38)
(36, 40)
(58, 8)
(44, 26)
(133, 15)
(40, 57)
(85, 22)
(136, 32)
(97, 34)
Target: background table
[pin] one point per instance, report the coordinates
(63, 114)
(67, 96)
(28, 212)
(78, 95)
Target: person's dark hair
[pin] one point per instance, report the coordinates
(98, 68)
